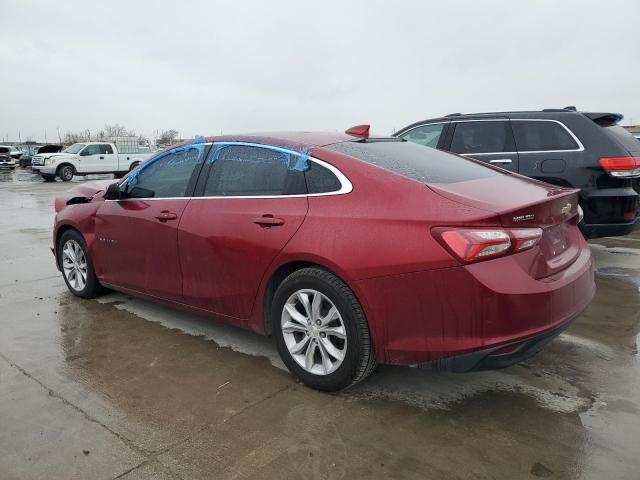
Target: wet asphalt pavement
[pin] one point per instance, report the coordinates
(123, 388)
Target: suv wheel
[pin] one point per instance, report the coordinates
(66, 173)
(76, 265)
(321, 331)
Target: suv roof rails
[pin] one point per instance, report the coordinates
(570, 108)
(457, 114)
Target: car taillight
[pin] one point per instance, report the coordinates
(621, 166)
(473, 245)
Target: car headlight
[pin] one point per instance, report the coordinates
(48, 161)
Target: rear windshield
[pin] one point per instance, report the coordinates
(624, 138)
(414, 161)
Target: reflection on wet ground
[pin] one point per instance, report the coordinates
(123, 388)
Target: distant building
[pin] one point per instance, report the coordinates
(635, 129)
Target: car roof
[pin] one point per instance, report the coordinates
(550, 113)
(296, 141)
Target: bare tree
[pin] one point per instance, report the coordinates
(116, 130)
(167, 137)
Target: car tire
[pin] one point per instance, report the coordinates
(66, 172)
(76, 266)
(48, 178)
(133, 166)
(321, 331)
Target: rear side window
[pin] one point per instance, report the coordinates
(542, 136)
(482, 137)
(106, 149)
(427, 135)
(240, 170)
(415, 161)
(320, 179)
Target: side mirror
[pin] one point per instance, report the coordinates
(85, 152)
(113, 192)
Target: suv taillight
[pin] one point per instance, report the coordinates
(475, 244)
(621, 166)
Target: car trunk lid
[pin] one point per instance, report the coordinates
(520, 202)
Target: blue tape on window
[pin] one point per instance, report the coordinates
(199, 144)
(297, 160)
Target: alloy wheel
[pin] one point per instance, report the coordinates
(314, 332)
(67, 173)
(74, 265)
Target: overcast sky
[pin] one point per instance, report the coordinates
(219, 66)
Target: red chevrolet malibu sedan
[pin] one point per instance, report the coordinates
(349, 250)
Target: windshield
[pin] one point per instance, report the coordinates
(75, 148)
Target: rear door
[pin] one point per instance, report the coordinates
(489, 141)
(136, 243)
(547, 149)
(252, 202)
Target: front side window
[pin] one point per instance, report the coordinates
(240, 170)
(166, 176)
(541, 136)
(427, 135)
(91, 150)
(482, 137)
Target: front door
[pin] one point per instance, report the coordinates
(98, 158)
(252, 203)
(489, 141)
(137, 237)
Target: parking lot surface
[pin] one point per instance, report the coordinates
(122, 388)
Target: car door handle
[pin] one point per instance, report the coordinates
(268, 221)
(501, 160)
(166, 215)
(101, 158)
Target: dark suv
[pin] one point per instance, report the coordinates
(585, 150)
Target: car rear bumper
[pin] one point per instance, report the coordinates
(605, 210)
(434, 315)
(501, 356)
(599, 230)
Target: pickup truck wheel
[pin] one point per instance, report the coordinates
(134, 165)
(49, 178)
(66, 172)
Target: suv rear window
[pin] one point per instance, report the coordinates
(415, 161)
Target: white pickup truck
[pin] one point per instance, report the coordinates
(87, 158)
